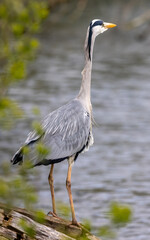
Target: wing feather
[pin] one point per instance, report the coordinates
(66, 130)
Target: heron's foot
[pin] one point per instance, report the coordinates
(52, 214)
(75, 223)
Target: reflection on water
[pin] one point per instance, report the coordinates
(117, 166)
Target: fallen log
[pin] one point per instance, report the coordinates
(52, 228)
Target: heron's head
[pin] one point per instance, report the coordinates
(96, 27)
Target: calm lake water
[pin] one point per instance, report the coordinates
(117, 167)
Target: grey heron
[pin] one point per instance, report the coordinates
(67, 131)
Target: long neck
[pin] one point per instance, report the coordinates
(85, 89)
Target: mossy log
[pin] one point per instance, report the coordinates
(52, 229)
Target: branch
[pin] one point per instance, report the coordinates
(52, 229)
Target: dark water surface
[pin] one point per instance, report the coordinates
(117, 167)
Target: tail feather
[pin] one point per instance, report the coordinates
(18, 157)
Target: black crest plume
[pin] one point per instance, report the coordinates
(96, 23)
(89, 41)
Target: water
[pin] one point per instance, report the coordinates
(117, 167)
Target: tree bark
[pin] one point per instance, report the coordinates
(52, 229)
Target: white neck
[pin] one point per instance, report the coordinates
(85, 90)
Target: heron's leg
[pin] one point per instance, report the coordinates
(51, 181)
(68, 186)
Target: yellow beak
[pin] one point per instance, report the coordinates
(109, 25)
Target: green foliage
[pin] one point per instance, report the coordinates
(63, 209)
(25, 151)
(29, 229)
(37, 128)
(17, 70)
(42, 150)
(20, 20)
(87, 224)
(26, 168)
(9, 110)
(39, 216)
(107, 232)
(120, 214)
(36, 111)
(15, 189)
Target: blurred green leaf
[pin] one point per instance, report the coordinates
(5, 169)
(29, 229)
(15, 189)
(34, 43)
(24, 15)
(106, 232)
(63, 208)
(120, 214)
(27, 167)
(39, 216)
(3, 11)
(37, 127)
(9, 110)
(25, 151)
(17, 28)
(4, 189)
(87, 224)
(36, 111)
(42, 149)
(17, 70)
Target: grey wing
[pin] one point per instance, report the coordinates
(66, 131)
